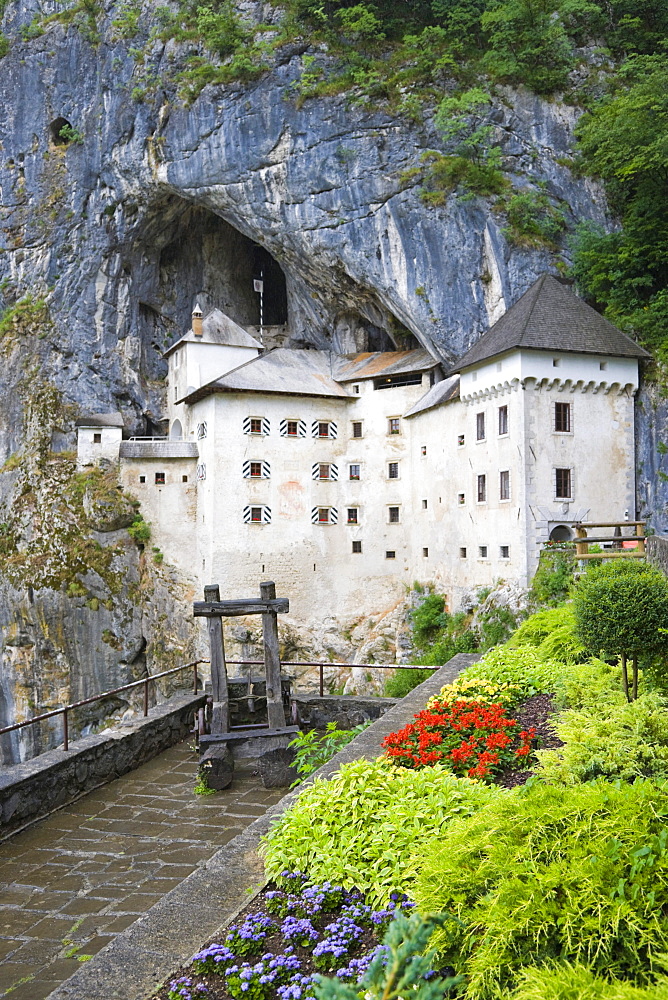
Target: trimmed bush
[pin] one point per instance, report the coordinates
(360, 828)
(625, 741)
(538, 876)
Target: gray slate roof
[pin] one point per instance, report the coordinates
(550, 317)
(217, 328)
(158, 449)
(113, 419)
(292, 372)
(383, 364)
(441, 392)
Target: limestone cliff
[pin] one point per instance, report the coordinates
(108, 239)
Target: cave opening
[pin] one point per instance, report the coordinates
(61, 130)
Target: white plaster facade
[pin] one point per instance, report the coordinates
(344, 480)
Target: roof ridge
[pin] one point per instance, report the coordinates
(537, 288)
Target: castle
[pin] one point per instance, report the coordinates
(346, 478)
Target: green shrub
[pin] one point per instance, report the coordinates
(619, 609)
(403, 681)
(139, 530)
(589, 685)
(554, 576)
(361, 827)
(552, 633)
(624, 741)
(313, 749)
(577, 982)
(537, 876)
(522, 667)
(428, 619)
(533, 221)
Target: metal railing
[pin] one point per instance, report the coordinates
(145, 681)
(321, 665)
(66, 709)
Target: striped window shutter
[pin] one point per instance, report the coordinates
(201, 429)
(334, 472)
(315, 427)
(301, 428)
(265, 514)
(333, 516)
(266, 426)
(266, 469)
(201, 471)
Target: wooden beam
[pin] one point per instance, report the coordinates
(605, 524)
(220, 719)
(272, 662)
(234, 609)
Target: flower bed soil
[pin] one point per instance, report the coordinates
(534, 713)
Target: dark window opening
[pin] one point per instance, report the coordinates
(354, 472)
(323, 515)
(256, 514)
(424, 449)
(256, 470)
(409, 378)
(503, 420)
(393, 515)
(256, 425)
(462, 552)
(357, 546)
(184, 479)
(394, 425)
(352, 515)
(504, 485)
(482, 551)
(461, 498)
(482, 489)
(563, 484)
(562, 417)
(357, 428)
(480, 426)
(293, 428)
(425, 553)
(160, 478)
(97, 439)
(393, 470)
(61, 131)
(323, 471)
(390, 554)
(460, 440)
(505, 551)
(142, 479)
(424, 505)
(323, 429)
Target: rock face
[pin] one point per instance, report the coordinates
(152, 206)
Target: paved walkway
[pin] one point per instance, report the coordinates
(72, 882)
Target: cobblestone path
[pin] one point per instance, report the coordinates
(74, 880)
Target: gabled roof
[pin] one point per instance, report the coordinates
(550, 317)
(383, 363)
(441, 392)
(292, 372)
(217, 328)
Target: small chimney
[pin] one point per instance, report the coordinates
(197, 320)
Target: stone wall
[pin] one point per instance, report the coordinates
(657, 552)
(38, 787)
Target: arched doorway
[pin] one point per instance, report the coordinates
(176, 433)
(561, 533)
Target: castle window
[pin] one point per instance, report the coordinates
(97, 439)
(292, 428)
(480, 426)
(425, 553)
(390, 554)
(482, 551)
(505, 552)
(357, 546)
(354, 471)
(393, 515)
(392, 470)
(563, 484)
(460, 440)
(394, 425)
(462, 552)
(184, 479)
(356, 390)
(353, 515)
(323, 471)
(256, 513)
(256, 425)
(323, 428)
(603, 365)
(504, 485)
(324, 515)
(423, 449)
(503, 420)
(256, 470)
(142, 479)
(461, 499)
(562, 417)
(424, 505)
(556, 362)
(482, 489)
(357, 428)
(160, 478)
